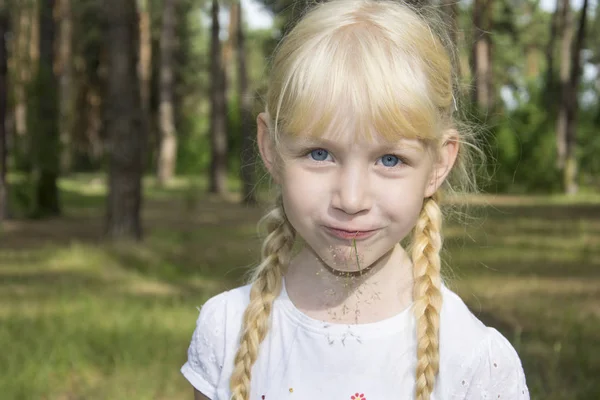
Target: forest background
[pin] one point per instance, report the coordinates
(130, 188)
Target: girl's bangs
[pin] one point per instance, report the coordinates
(355, 81)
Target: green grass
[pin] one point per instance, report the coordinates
(84, 319)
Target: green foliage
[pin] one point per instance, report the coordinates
(588, 142)
(193, 146)
(522, 139)
(21, 195)
(193, 117)
(525, 142)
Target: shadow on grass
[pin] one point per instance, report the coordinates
(515, 265)
(51, 281)
(552, 213)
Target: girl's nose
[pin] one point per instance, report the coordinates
(352, 190)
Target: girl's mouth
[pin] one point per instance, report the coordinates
(349, 235)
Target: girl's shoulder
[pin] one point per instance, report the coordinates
(462, 331)
(457, 320)
(476, 356)
(214, 337)
(225, 306)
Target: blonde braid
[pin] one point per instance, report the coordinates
(427, 243)
(266, 286)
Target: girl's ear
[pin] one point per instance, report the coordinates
(265, 144)
(446, 158)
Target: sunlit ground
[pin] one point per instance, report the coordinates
(82, 319)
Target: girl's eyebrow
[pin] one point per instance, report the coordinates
(309, 141)
(405, 144)
(316, 142)
(381, 147)
(402, 145)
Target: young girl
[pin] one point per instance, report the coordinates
(359, 137)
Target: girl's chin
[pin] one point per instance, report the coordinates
(346, 258)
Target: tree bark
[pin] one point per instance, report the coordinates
(230, 49)
(66, 85)
(247, 153)
(483, 94)
(168, 143)
(555, 25)
(218, 123)
(34, 43)
(565, 33)
(88, 125)
(123, 122)
(571, 164)
(145, 64)
(23, 66)
(46, 143)
(4, 28)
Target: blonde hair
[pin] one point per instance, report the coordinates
(393, 70)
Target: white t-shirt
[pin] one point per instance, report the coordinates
(303, 358)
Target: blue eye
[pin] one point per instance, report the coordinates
(390, 160)
(319, 154)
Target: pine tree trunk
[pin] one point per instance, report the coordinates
(168, 143)
(572, 165)
(247, 151)
(66, 85)
(229, 52)
(145, 64)
(555, 25)
(3, 100)
(88, 140)
(218, 125)
(565, 34)
(46, 143)
(34, 43)
(123, 122)
(483, 94)
(23, 67)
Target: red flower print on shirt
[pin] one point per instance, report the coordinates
(357, 396)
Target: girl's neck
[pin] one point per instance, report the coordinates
(381, 292)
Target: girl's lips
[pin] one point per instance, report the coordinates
(343, 234)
